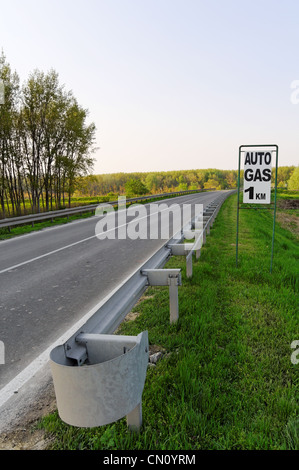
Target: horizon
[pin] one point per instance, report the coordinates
(184, 169)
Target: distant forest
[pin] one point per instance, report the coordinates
(169, 181)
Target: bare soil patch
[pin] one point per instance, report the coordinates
(26, 435)
(287, 219)
(286, 204)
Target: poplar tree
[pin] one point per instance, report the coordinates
(46, 143)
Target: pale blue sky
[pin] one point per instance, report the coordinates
(170, 84)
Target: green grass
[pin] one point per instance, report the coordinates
(287, 194)
(226, 380)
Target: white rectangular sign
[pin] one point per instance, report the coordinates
(257, 177)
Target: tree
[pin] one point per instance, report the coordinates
(56, 141)
(46, 144)
(11, 187)
(283, 175)
(231, 178)
(41, 115)
(135, 188)
(153, 182)
(293, 182)
(182, 187)
(78, 141)
(213, 182)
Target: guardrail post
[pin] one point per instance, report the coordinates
(184, 249)
(167, 277)
(173, 298)
(189, 265)
(207, 223)
(134, 419)
(198, 235)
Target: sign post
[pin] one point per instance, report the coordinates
(257, 181)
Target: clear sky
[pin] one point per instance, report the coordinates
(170, 84)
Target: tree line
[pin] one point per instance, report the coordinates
(46, 143)
(135, 184)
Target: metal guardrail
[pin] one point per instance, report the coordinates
(78, 376)
(111, 314)
(32, 218)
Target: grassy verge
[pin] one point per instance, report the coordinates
(226, 380)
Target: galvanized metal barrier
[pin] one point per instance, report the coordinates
(110, 384)
(99, 377)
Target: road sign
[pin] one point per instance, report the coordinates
(257, 182)
(257, 177)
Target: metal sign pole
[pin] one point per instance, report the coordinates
(237, 241)
(274, 216)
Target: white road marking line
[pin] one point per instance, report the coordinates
(46, 254)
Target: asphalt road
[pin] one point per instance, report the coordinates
(50, 279)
